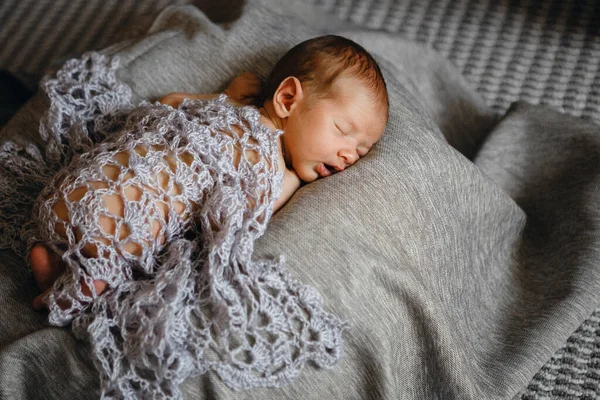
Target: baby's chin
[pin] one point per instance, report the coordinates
(307, 175)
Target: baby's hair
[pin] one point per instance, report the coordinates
(318, 62)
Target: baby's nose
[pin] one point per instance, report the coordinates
(349, 157)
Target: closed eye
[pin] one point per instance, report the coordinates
(339, 129)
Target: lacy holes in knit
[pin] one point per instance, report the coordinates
(121, 192)
(203, 302)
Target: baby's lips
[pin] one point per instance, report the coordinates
(323, 171)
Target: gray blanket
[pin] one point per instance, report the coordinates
(462, 249)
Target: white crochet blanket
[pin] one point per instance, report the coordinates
(199, 301)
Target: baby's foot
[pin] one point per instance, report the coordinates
(46, 267)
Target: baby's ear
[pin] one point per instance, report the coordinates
(287, 96)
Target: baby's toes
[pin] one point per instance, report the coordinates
(41, 266)
(38, 302)
(46, 266)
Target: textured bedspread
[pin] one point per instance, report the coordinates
(199, 302)
(463, 250)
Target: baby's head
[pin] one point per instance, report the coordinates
(331, 100)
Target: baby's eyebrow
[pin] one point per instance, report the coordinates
(354, 129)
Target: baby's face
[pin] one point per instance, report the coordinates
(326, 136)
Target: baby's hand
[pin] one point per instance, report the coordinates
(174, 99)
(244, 89)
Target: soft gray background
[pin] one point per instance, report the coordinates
(519, 53)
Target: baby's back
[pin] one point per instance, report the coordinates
(125, 200)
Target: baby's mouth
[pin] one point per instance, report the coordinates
(325, 170)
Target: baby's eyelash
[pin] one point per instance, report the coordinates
(343, 133)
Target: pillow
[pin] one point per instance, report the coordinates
(414, 245)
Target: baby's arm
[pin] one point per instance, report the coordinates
(243, 90)
(291, 183)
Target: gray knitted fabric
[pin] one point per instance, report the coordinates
(542, 52)
(198, 302)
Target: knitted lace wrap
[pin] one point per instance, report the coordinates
(197, 302)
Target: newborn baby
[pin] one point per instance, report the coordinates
(326, 105)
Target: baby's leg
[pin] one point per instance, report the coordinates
(47, 266)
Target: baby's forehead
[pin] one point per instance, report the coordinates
(361, 94)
